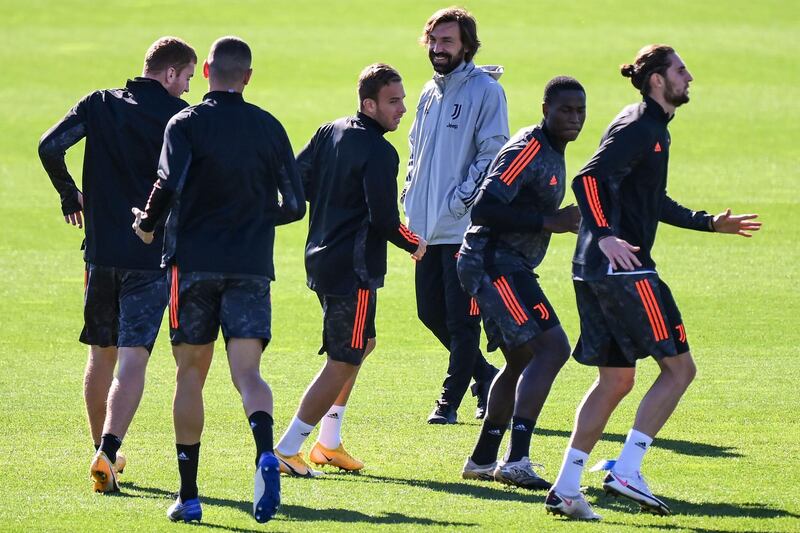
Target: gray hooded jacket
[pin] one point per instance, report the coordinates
(460, 125)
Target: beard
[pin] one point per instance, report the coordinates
(673, 97)
(448, 66)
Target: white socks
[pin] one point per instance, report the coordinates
(568, 482)
(296, 434)
(330, 432)
(630, 458)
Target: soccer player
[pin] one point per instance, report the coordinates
(349, 172)
(513, 218)
(626, 310)
(460, 125)
(125, 291)
(223, 163)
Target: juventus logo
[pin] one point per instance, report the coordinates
(456, 111)
(544, 314)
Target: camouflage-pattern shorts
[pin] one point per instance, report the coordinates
(625, 318)
(123, 307)
(348, 322)
(513, 306)
(202, 302)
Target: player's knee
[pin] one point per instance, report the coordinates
(685, 372)
(618, 384)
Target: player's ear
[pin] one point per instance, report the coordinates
(247, 76)
(205, 69)
(545, 109)
(369, 106)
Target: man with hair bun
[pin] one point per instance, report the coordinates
(125, 289)
(460, 125)
(349, 173)
(227, 177)
(626, 310)
(516, 212)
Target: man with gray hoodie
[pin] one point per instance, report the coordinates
(461, 123)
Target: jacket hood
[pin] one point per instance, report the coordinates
(495, 71)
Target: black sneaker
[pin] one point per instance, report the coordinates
(444, 413)
(480, 389)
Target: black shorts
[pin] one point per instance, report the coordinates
(348, 322)
(513, 307)
(123, 307)
(625, 318)
(201, 302)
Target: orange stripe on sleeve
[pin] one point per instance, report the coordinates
(520, 162)
(590, 188)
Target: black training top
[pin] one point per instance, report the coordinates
(349, 173)
(525, 182)
(622, 190)
(222, 165)
(124, 129)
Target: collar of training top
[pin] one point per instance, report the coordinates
(370, 122)
(458, 74)
(145, 83)
(654, 108)
(224, 97)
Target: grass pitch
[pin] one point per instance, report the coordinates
(727, 461)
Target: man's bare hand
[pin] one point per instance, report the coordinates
(742, 225)
(566, 219)
(420, 251)
(620, 253)
(76, 218)
(147, 238)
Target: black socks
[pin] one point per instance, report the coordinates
(261, 424)
(485, 451)
(109, 444)
(188, 458)
(521, 432)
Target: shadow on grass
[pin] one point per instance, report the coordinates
(289, 512)
(681, 507)
(683, 447)
(485, 490)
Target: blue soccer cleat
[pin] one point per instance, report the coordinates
(187, 511)
(267, 488)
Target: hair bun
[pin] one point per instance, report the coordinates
(627, 70)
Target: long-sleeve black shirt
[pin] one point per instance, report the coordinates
(124, 129)
(525, 182)
(222, 165)
(349, 173)
(622, 191)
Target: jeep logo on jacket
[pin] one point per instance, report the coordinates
(460, 124)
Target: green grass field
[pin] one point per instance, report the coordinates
(727, 461)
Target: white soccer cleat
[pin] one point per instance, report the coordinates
(634, 487)
(476, 471)
(575, 507)
(521, 474)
